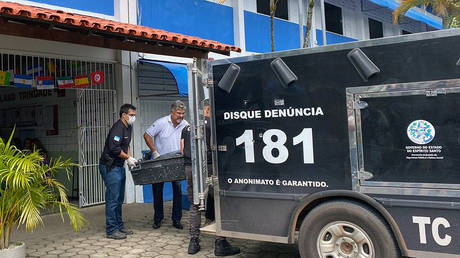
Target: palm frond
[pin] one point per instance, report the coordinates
(28, 186)
(76, 218)
(441, 7)
(31, 202)
(446, 9)
(18, 168)
(405, 6)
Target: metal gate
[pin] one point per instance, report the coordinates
(96, 107)
(198, 81)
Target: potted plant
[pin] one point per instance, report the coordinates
(27, 186)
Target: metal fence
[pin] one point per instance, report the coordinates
(96, 114)
(56, 67)
(95, 110)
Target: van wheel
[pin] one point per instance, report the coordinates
(345, 229)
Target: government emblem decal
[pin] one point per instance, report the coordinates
(420, 132)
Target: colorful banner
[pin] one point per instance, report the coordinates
(4, 78)
(65, 82)
(97, 77)
(12, 72)
(34, 70)
(45, 82)
(23, 81)
(81, 81)
(51, 67)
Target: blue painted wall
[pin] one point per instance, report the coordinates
(191, 17)
(331, 38)
(167, 194)
(257, 33)
(99, 6)
(393, 4)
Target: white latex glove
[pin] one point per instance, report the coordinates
(156, 154)
(131, 162)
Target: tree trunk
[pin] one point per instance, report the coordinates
(8, 235)
(308, 28)
(4, 241)
(272, 15)
(445, 22)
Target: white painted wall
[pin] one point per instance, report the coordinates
(238, 25)
(53, 49)
(353, 24)
(65, 143)
(293, 11)
(317, 15)
(390, 30)
(366, 27)
(250, 5)
(229, 3)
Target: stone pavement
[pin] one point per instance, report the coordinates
(59, 240)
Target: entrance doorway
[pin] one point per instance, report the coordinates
(45, 100)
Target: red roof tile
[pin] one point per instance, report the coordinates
(88, 22)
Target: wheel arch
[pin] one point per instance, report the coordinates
(308, 203)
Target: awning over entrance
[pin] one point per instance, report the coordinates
(48, 24)
(413, 14)
(179, 71)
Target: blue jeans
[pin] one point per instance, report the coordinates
(114, 196)
(157, 191)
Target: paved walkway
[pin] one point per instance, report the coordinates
(58, 240)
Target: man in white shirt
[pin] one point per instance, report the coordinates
(162, 137)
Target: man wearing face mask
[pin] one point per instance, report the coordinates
(162, 137)
(111, 167)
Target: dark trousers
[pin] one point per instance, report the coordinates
(209, 213)
(157, 191)
(194, 211)
(114, 181)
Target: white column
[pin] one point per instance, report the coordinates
(323, 22)
(238, 25)
(365, 32)
(126, 11)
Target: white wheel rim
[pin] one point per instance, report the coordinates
(341, 239)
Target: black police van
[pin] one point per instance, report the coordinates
(354, 146)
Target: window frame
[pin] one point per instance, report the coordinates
(277, 12)
(375, 21)
(328, 28)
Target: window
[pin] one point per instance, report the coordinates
(405, 32)
(263, 7)
(375, 29)
(429, 8)
(333, 18)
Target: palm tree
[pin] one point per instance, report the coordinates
(311, 5)
(449, 10)
(273, 5)
(27, 186)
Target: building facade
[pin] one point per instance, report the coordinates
(151, 81)
(246, 23)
